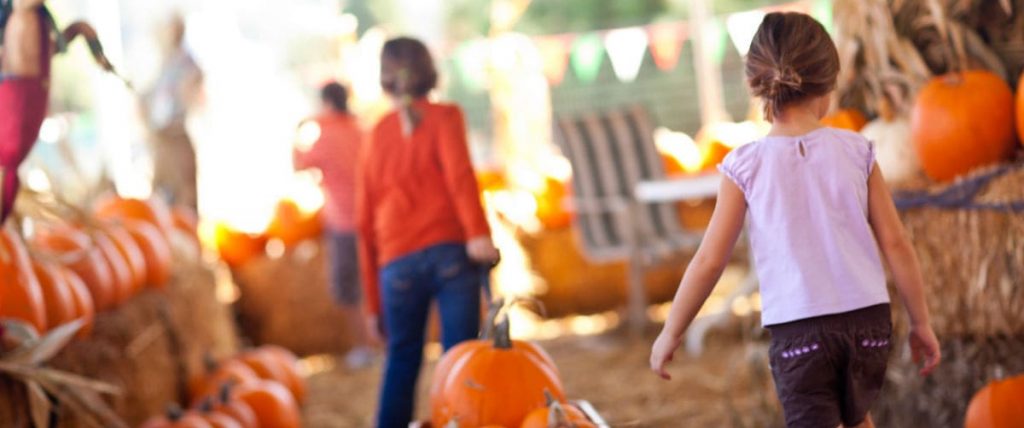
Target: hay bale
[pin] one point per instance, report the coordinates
(287, 301)
(941, 399)
(571, 284)
(973, 262)
(147, 347)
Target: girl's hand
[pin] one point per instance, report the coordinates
(924, 348)
(661, 353)
(481, 250)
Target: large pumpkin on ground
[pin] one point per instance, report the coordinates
(998, 405)
(493, 382)
(20, 294)
(962, 121)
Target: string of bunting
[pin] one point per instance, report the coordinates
(584, 53)
(961, 195)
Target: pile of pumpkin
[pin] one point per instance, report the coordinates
(499, 382)
(958, 122)
(73, 268)
(258, 388)
(290, 225)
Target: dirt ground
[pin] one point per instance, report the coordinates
(728, 386)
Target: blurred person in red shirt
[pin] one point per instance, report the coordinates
(335, 152)
(423, 235)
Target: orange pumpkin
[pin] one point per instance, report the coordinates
(292, 225)
(60, 304)
(20, 294)
(235, 247)
(85, 309)
(120, 273)
(214, 377)
(185, 219)
(551, 204)
(557, 415)
(997, 405)
(265, 366)
(237, 409)
(74, 249)
(177, 418)
(153, 210)
(490, 178)
(713, 153)
(847, 118)
(272, 403)
(493, 383)
(1020, 108)
(215, 418)
(962, 121)
(290, 365)
(155, 250)
(130, 251)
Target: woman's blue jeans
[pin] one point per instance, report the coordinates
(408, 285)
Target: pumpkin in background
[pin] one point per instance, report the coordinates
(713, 152)
(997, 405)
(156, 251)
(490, 178)
(215, 418)
(265, 366)
(847, 118)
(215, 375)
(60, 304)
(290, 365)
(272, 402)
(894, 150)
(85, 309)
(120, 274)
(494, 382)
(961, 122)
(557, 414)
(237, 247)
(130, 251)
(292, 225)
(1020, 108)
(237, 409)
(20, 294)
(551, 204)
(153, 210)
(75, 250)
(177, 418)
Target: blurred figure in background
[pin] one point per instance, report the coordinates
(165, 107)
(423, 235)
(334, 152)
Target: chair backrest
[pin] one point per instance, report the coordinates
(610, 152)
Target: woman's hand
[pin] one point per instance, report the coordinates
(924, 348)
(661, 353)
(481, 250)
(374, 335)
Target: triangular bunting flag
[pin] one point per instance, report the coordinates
(554, 52)
(715, 39)
(471, 61)
(626, 47)
(587, 56)
(666, 43)
(742, 26)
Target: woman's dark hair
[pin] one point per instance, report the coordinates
(411, 55)
(335, 95)
(791, 58)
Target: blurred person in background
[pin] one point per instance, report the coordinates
(334, 153)
(423, 235)
(165, 106)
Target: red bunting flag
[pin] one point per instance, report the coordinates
(554, 52)
(666, 43)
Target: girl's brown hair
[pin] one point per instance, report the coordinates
(791, 58)
(411, 57)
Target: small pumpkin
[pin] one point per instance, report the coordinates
(847, 118)
(494, 382)
(120, 273)
(265, 366)
(292, 225)
(215, 418)
(237, 409)
(997, 405)
(175, 417)
(130, 251)
(215, 375)
(550, 201)
(20, 294)
(1020, 108)
(894, 149)
(236, 247)
(295, 382)
(557, 415)
(60, 304)
(272, 402)
(75, 250)
(153, 211)
(85, 309)
(962, 121)
(155, 250)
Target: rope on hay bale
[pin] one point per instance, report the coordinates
(80, 394)
(962, 194)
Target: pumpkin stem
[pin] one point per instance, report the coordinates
(502, 337)
(206, 405)
(225, 392)
(174, 412)
(557, 417)
(487, 331)
(209, 363)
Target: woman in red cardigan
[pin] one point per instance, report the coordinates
(422, 231)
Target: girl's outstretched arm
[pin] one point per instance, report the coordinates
(703, 272)
(906, 272)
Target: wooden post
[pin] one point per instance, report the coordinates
(709, 76)
(637, 305)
